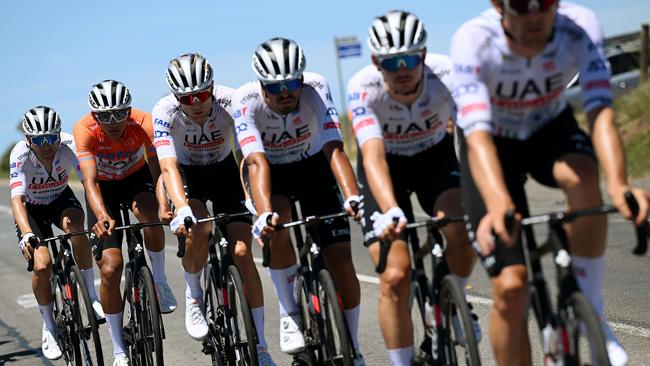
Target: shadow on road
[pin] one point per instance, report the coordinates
(14, 348)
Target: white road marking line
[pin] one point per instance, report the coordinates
(6, 210)
(27, 301)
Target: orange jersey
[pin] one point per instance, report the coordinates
(115, 159)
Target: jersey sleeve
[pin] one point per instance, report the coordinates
(85, 141)
(365, 123)
(245, 102)
(17, 178)
(329, 125)
(594, 73)
(162, 132)
(469, 91)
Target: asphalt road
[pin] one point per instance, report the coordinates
(627, 299)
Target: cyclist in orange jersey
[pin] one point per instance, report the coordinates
(112, 143)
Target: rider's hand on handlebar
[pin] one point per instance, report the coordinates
(177, 225)
(26, 247)
(352, 207)
(641, 196)
(104, 227)
(384, 225)
(493, 226)
(261, 227)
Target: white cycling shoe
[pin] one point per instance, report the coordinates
(291, 338)
(616, 352)
(50, 348)
(121, 361)
(195, 323)
(166, 298)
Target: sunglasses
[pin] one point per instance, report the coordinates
(113, 116)
(523, 7)
(409, 62)
(41, 140)
(195, 98)
(277, 88)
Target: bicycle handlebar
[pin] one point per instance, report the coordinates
(310, 220)
(35, 243)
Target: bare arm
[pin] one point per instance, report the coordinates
(259, 174)
(20, 214)
(341, 168)
(611, 155)
(173, 182)
(488, 177)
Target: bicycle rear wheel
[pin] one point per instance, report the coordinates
(582, 337)
(63, 318)
(150, 330)
(462, 346)
(90, 345)
(335, 343)
(241, 329)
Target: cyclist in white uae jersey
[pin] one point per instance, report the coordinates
(193, 130)
(400, 106)
(509, 75)
(40, 196)
(289, 133)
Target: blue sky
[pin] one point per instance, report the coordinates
(53, 51)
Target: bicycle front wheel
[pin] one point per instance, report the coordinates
(421, 330)
(335, 343)
(150, 328)
(461, 347)
(90, 345)
(582, 336)
(241, 329)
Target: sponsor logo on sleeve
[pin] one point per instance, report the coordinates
(16, 184)
(358, 111)
(161, 122)
(161, 143)
(160, 134)
(331, 111)
(248, 140)
(332, 125)
(363, 123)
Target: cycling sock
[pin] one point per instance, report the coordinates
(401, 356)
(590, 273)
(193, 289)
(47, 313)
(352, 318)
(89, 277)
(258, 318)
(158, 266)
(114, 322)
(283, 280)
(462, 281)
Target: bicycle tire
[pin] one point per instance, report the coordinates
(150, 327)
(579, 316)
(452, 302)
(421, 331)
(65, 327)
(213, 317)
(336, 345)
(86, 323)
(309, 324)
(239, 313)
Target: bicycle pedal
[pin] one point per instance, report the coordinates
(208, 347)
(300, 359)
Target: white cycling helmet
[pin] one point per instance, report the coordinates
(109, 95)
(41, 120)
(188, 73)
(278, 59)
(396, 32)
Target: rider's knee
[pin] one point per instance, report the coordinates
(112, 273)
(396, 279)
(241, 250)
(510, 293)
(42, 270)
